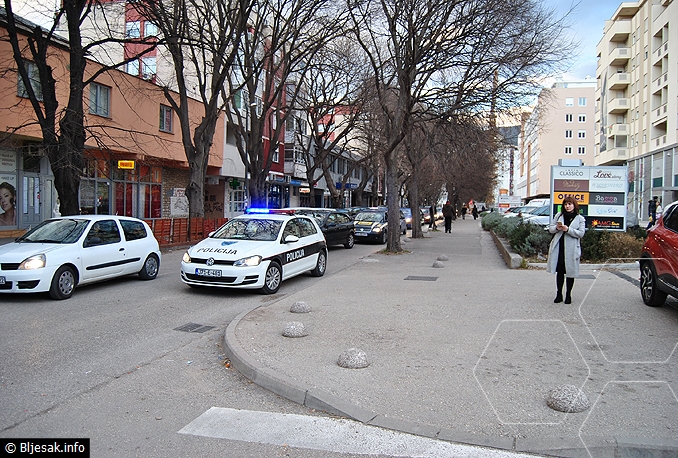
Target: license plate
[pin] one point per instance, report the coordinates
(361, 234)
(2, 280)
(208, 272)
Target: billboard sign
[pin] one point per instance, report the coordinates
(599, 191)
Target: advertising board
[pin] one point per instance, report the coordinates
(599, 191)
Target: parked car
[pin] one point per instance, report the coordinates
(541, 216)
(61, 253)
(407, 212)
(426, 211)
(659, 259)
(372, 225)
(257, 250)
(336, 225)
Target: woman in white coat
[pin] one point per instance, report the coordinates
(565, 249)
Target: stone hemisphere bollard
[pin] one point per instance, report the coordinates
(568, 399)
(353, 358)
(438, 264)
(294, 329)
(300, 307)
(443, 257)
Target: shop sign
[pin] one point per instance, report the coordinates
(126, 165)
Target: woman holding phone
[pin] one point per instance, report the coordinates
(565, 249)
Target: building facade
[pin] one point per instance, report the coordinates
(637, 99)
(134, 160)
(561, 126)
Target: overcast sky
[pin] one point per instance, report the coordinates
(587, 21)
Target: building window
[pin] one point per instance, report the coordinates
(581, 134)
(568, 133)
(568, 117)
(150, 29)
(582, 101)
(148, 67)
(581, 150)
(569, 101)
(133, 29)
(99, 99)
(34, 78)
(276, 155)
(582, 118)
(165, 118)
(133, 67)
(568, 150)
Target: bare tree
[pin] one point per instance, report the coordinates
(203, 39)
(64, 131)
(283, 36)
(441, 57)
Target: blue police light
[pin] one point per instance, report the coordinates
(258, 210)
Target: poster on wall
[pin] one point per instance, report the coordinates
(7, 199)
(178, 203)
(599, 191)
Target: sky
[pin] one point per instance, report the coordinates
(586, 25)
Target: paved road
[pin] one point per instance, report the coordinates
(470, 351)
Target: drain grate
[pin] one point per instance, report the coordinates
(193, 327)
(414, 277)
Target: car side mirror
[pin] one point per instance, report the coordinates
(291, 239)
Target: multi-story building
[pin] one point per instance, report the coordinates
(637, 99)
(134, 163)
(560, 127)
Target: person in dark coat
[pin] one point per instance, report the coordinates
(565, 249)
(447, 214)
(652, 212)
(475, 211)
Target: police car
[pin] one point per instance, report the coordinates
(257, 250)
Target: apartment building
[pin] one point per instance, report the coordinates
(134, 164)
(561, 126)
(637, 99)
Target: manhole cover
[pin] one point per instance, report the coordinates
(193, 327)
(413, 277)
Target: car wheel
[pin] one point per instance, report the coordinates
(272, 279)
(150, 269)
(383, 237)
(350, 241)
(321, 265)
(648, 286)
(63, 283)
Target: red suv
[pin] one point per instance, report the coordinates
(659, 259)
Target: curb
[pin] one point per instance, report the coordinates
(513, 260)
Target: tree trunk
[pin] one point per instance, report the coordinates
(414, 204)
(393, 243)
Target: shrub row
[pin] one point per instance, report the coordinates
(531, 240)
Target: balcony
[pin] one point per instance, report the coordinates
(617, 129)
(618, 30)
(618, 106)
(659, 114)
(661, 81)
(619, 81)
(619, 56)
(612, 156)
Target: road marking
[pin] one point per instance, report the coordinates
(327, 434)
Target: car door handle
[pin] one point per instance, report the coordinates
(121, 249)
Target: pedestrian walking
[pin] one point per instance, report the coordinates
(463, 211)
(652, 211)
(447, 214)
(565, 248)
(432, 220)
(475, 211)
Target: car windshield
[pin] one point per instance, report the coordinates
(55, 231)
(265, 230)
(407, 212)
(317, 214)
(374, 217)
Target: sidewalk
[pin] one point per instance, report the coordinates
(467, 352)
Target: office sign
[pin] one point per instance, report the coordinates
(599, 191)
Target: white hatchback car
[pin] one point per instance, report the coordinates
(257, 251)
(61, 253)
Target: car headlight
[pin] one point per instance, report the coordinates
(376, 229)
(187, 257)
(248, 262)
(34, 262)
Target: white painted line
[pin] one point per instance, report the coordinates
(327, 434)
